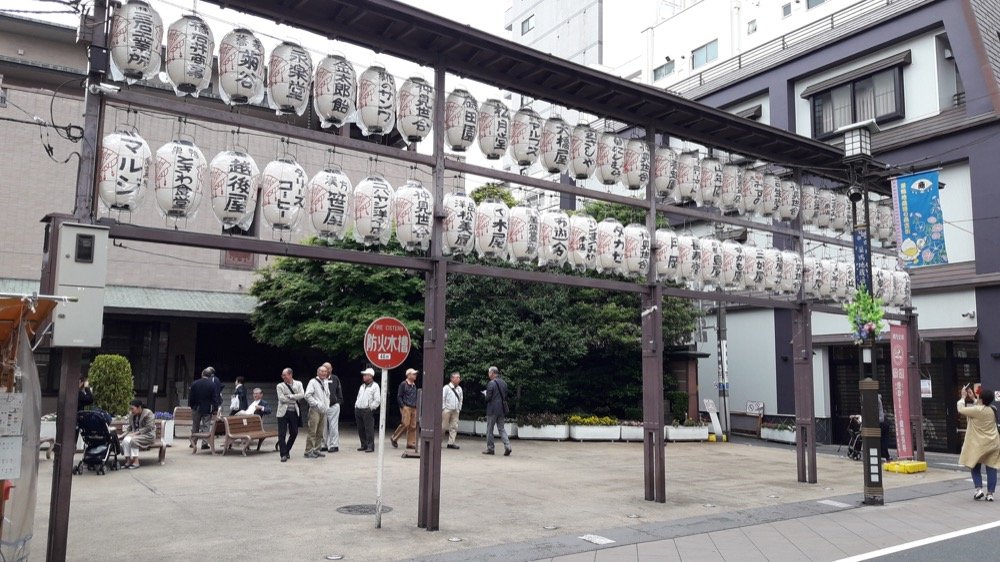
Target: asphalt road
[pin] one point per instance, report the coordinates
(979, 546)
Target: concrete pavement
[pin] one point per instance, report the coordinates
(255, 508)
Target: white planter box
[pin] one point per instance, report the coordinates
(467, 427)
(595, 432)
(547, 432)
(511, 429)
(780, 435)
(682, 433)
(47, 430)
(632, 433)
(168, 433)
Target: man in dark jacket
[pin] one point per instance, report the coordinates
(204, 399)
(331, 442)
(406, 398)
(86, 397)
(496, 398)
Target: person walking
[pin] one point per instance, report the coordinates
(406, 398)
(204, 400)
(496, 411)
(336, 391)
(289, 393)
(318, 397)
(239, 401)
(369, 399)
(451, 406)
(982, 442)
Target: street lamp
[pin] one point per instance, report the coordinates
(857, 155)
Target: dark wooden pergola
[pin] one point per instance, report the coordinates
(403, 31)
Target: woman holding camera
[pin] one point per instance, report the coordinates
(982, 441)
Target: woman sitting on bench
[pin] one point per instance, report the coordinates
(139, 434)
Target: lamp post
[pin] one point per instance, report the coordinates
(857, 155)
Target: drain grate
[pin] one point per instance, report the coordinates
(362, 509)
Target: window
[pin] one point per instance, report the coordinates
(705, 54)
(786, 10)
(528, 24)
(878, 96)
(751, 27)
(663, 71)
(810, 4)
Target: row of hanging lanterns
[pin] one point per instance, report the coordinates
(827, 209)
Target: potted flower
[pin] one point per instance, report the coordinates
(167, 419)
(632, 430)
(542, 426)
(864, 314)
(593, 428)
(782, 431)
(690, 430)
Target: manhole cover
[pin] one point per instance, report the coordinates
(362, 509)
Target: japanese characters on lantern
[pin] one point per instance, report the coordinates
(373, 211)
(190, 47)
(376, 101)
(525, 137)
(808, 204)
(460, 120)
(135, 42)
(788, 203)
(416, 109)
(751, 191)
(610, 246)
(636, 166)
(711, 180)
(523, 234)
(289, 79)
(492, 228)
(770, 196)
(494, 128)
(330, 197)
(730, 197)
(583, 152)
(282, 188)
(582, 242)
(459, 224)
(335, 91)
(553, 238)
(688, 177)
(123, 170)
(555, 145)
(637, 250)
(241, 68)
(179, 179)
(666, 254)
(665, 174)
(610, 159)
(234, 179)
(414, 210)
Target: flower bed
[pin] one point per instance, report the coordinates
(594, 428)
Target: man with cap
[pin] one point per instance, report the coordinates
(369, 399)
(406, 397)
(496, 406)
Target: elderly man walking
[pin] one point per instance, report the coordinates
(318, 397)
(406, 397)
(451, 406)
(332, 439)
(496, 411)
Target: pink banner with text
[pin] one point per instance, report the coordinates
(899, 349)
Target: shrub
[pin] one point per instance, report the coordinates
(678, 404)
(538, 420)
(591, 420)
(111, 378)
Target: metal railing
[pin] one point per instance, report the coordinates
(791, 39)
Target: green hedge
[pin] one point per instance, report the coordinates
(678, 404)
(111, 380)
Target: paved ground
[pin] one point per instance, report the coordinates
(196, 505)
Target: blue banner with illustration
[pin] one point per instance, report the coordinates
(920, 226)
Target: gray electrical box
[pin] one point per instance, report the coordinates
(81, 271)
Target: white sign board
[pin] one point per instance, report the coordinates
(713, 414)
(755, 408)
(11, 435)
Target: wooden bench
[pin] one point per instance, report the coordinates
(208, 437)
(242, 430)
(182, 417)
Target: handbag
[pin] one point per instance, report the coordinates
(234, 403)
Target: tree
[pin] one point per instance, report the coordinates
(111, 378)
(493, 191)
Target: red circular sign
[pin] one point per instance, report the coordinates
(387, 343)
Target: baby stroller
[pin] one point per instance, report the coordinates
(100, 445)
(854, 438)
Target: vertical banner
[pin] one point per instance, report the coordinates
(862, 257)
(899, 348)
(919, 226)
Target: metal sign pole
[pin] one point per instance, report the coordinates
(381, 451)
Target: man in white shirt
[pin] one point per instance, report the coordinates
(318, 397)
(369, 399)
(451, 405)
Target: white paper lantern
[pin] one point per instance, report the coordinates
(494, 128)
(416, 109)
(282, 192)
(522, 238)
(688, 177)
(665, 174)
(773, 268)
(666, 254)
(751, 191)
(335, 91)
(373, 200)
(190, 47)
(734, 265)
(330, 197)
(135, 42)
(788, 204)
(844, 280)
(711, 180)
(583, 152)
(711, 262)
(688, 260)
(886, 230)
(376, 101)
(289, 79)
(582, 242)
(555, 145)
(791, 272)
(461, 115)
(235, 179)
(900, 288)
(810, 273)
(824, 286)
(492, 227)
(179, 179)
(636, 168)
(525, 136)
(882, 283)
(755, 277)
(610, 246)
(840, 219)
(729, 197)
(553, 238)
(124, 170)
(770, 196)
(824, 207)
(241, 68)
(459, 224)
(414, 212)
(610, 159)
(637, 250)
(808, 204)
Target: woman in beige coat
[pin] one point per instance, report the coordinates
(982, 442)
